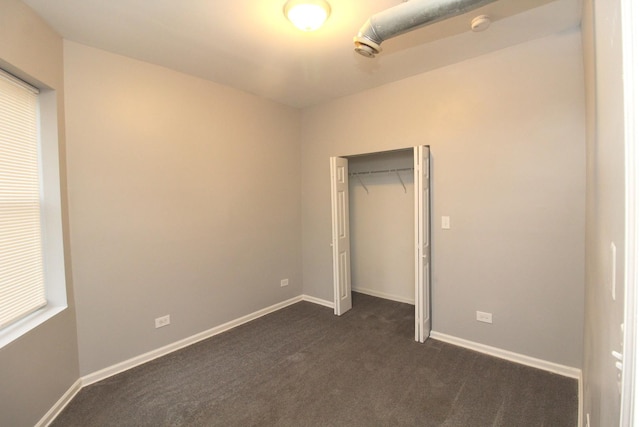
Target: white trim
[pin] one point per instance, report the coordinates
(10, 333)
(630, 397)
(51, 217)
(154, 354)
(162, 351)
(580, 401)
(60, 404)
(566, 371)
(318, 301)
(383, 295)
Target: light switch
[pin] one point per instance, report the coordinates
(446, 224)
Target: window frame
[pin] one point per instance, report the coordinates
(53, 256)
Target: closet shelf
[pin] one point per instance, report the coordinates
(380, 171)
(386, 171)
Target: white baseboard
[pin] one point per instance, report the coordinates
(566, 371)
(318, 301)
(384, 295)
(60, 404)
(580, 401)
(162, 351)
(154, 354)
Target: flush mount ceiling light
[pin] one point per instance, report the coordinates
(307, 15)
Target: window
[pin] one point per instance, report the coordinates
(21, 277)
(32, 285)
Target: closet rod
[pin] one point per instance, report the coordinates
(380, 171)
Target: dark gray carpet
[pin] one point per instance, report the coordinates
(303, 366)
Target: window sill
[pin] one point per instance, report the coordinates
(30, 322)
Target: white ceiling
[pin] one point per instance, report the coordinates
(249, 44)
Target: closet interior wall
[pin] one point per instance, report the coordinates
(381, 219)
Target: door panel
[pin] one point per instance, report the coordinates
(423, 242)
(340, 235)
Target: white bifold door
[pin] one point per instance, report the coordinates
(341, 244)
(422, 203)
(340, 241)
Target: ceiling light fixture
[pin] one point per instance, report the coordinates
(307, 15)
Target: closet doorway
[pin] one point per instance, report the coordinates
(409, 171)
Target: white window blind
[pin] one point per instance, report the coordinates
(21, 266)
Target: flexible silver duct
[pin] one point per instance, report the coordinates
(406, 17)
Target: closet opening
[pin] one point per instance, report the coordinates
(381, 236)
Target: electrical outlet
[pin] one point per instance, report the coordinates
(484, 317)
(163, 321)
(284, 282)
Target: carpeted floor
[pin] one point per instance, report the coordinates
(303, 366)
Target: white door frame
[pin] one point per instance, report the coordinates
(422, 231)
(342, 275)
(630, 399)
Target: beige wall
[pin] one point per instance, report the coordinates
(185, 200)
(38, 368)
(605, 208)
(507, 137)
